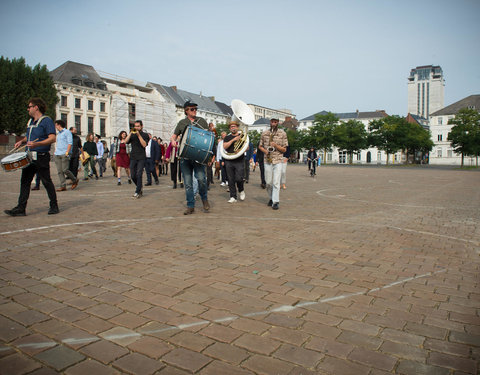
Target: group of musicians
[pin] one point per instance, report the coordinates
(41, 134)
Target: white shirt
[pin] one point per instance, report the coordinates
(147, 149)
(219, 150)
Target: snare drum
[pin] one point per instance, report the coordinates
(197, 145)
(16, 161)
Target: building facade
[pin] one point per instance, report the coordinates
(84, 99)
(264, 112)
(426, 90)
(442, 152)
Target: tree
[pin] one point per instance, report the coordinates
(254, 136)
(384, 136)
(19, 82)
(465, 134)
(416, 139)
(350, 136)
(320, 135)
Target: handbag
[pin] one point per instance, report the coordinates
(84, 157)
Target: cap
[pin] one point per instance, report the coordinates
(274, 119)
(188, 103)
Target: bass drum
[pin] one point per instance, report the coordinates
(197, 145)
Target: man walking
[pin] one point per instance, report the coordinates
(62, 155)
(138, 140)
(235, 167)
(153, 154)
(75, 153)
(273, 143)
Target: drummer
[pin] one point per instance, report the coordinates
(39, 136)
(191, 167)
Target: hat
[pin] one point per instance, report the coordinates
(188, 103)
(274, 119)
(233, 122)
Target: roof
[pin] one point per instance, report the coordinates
(350, 115)
(472, 101)
(179, 97)
(226, 109)
(78, 74)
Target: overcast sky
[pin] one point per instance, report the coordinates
(303, 55)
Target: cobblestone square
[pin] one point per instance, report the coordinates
(362, 270)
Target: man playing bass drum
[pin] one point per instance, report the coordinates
(190, 167)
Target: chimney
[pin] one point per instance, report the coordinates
(174, 88)
(213, 98)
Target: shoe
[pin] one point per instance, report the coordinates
(129, 181)
(75, 184)
(96, 177)
(85, 179)
(206, 205)
(137, 195)
(119, 183)
(275, 206)
(53, 210)
(148, 184)
(222, 184)
(63, 188)
(174, 185)
(264, 186)
(269, 204)
(36, 188)
(246, 181)
(232, 200)
(15, 211)
(156, 182)
(189, 211)
(242, 195)
(181, 184)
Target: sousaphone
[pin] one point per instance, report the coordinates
(243, 115)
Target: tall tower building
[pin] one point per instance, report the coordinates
(426, 90)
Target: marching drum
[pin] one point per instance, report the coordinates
(197, 145)
(16, 161)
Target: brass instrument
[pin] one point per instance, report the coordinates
(243, 115)
(270, 149)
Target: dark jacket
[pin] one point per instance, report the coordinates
(155, 151)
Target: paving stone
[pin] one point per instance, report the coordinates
(10, 330)
(60, 357)
(217, 367)
(104, 351)
(33, 344)
(135, 363)
(407, 367)
(17, 364)
(333, 365)
(450, 361)
(220, 333)
(121, 336)
(300, 356)
(260, 364)
(257, 344)
(186, 359)
(373, 359)
(150, 346)
(227, 353)
(91, 367)
(191, 341)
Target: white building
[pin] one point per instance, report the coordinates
(265, 112)
(442, 152)
(368, 156)
(426, 90)
(84, 99)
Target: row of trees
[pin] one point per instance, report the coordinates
(390, 134)
(19, 82)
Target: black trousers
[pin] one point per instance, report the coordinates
(235, 171)
(73, 166)
(262, 172)
(174, 171)
(223, 168)
(150, 170)
(41, 166)
(209, 175)
(136, 172)
(247, 169)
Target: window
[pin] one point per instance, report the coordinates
(102, 127)
(440, 137)
(90, 124)
(63, 117)
(90, 105)
(440, 121)
(329, 156)
(78, 103)
(63, 101)
(449, 153)
(439, 153)
(78, 123)
(359, 156)
(379, 156)
(102, 106)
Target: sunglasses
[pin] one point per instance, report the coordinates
(192, 109)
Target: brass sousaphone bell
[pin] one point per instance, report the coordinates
(243, 115)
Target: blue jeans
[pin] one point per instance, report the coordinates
(189, 167)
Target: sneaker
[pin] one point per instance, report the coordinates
(174, 185)
(16, 211)
(36, 188)
(269, 204)
(181, 184)
(119, 183)
(222, 184)
(275, 206)
(96, 177)
(242, 195)
(129, 181)
(148, 184)
(232, 200)
(137, 195)
(264, 186)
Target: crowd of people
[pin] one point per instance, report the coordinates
(137, 152)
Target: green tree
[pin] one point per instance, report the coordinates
(383, 134)
(320, 135)
(254, 136)
(18, 83)
(222, 128)
(465, 134)
(416, 139)
(350, 136)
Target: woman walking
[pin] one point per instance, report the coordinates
(121, 152)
